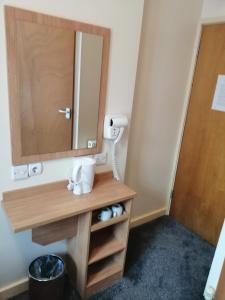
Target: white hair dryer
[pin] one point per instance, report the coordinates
(114, 126)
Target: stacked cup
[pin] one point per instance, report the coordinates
(107, 213)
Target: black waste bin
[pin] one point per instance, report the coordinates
(46, 278)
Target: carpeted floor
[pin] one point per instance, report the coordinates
(165, 261)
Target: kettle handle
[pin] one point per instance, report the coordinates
(75, 173)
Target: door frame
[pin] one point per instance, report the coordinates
(216, 267)
(202, 22)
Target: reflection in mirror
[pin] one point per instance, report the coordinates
(59, 73)
(57, 80)
(45, 58)
(87, 87)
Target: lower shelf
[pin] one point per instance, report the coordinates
(104, 244)
(103, 284)
(102, 270)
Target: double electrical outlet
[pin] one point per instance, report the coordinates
(25, 171)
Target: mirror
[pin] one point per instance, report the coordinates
(57, 84)
(87, 74)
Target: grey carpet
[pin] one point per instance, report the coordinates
(165, 261)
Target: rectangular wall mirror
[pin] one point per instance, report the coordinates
(57, 72)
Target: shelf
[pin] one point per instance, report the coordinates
(97, 225)
(103, 244)
(101, 271)
(103, 284)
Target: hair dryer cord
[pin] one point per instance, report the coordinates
(115, 163)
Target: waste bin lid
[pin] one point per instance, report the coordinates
(46, 268)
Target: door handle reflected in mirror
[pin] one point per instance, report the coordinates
(66, 111)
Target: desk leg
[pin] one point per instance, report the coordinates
(122, 233)
(78, 249)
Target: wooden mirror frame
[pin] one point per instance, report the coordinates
(11, 16)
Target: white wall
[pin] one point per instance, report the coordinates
(124, 19)
(213, 8)
(168, 36)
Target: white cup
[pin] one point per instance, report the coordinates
(105, 214)
(117, 210)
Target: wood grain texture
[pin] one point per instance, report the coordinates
(104, 283)
(32, 207)
(45, 66)
(48, 187)
(220, 291)
(13, 15)
(102, 270)
(55, 231)
(79, 249)
(97, 225)
(104, 245)
(102, 176)
(107, 253)
(199, 190)
(121, 232)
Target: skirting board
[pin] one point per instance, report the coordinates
(14, 289)
(148, 217)
(21, 286)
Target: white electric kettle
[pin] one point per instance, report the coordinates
(83, 175)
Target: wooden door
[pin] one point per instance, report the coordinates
(199, 191)
(45, 57)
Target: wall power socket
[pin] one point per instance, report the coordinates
(101, 158)
(35, 169)
(24, 171)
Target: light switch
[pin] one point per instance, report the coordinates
(20, 172)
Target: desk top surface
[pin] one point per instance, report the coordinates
(36, 206)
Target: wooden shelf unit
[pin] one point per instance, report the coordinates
(104, 243)
(97, 249)
(103, 273)
(101, 270)
(97, 225)
(103, 250)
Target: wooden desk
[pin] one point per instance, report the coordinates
(97, 248)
